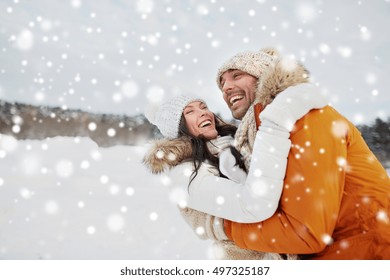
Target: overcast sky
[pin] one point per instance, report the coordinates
(118, 56)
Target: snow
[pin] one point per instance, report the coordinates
(66, 198)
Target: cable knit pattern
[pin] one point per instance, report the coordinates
(245, 136)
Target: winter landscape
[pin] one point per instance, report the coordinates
(77, 78)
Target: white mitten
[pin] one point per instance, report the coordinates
(219, 144)
(228, 167)
(292, 104)
(204, 225)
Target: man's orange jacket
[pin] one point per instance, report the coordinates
(335, 201)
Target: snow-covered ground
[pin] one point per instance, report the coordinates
(66, 198)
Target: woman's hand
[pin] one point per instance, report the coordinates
(228, 167)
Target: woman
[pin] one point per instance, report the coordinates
(197, 155)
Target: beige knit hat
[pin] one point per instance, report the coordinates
(251, 62)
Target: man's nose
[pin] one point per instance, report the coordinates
(227, 85)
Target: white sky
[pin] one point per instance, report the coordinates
(116, 56)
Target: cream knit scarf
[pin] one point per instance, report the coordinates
(245, 136)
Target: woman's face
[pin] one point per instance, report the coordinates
(199, 120)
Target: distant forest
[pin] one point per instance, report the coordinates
(39, 122)
(377, 136)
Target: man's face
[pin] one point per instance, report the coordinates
(238, 89)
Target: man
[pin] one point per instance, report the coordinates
(335, 200)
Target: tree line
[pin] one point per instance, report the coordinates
(377, 136)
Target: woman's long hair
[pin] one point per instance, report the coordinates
(200, 151)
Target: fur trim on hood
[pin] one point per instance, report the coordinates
(280, 75)
(165, 154)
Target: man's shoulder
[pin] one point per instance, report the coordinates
(318, 119)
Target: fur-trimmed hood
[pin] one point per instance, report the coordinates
(165, 154)
(280, 74)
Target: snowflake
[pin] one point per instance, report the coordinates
(91, 230)
(76, 4)
(64, 168)
(345, 52)
(115, 222)
(220, 200)
(327, 239)
(104, 179)
(155, 94)
(111, 132)
(51, 207)
(144, 6)
(130, 191)
(200, 230)
(130, 89)
(25, 40)
(153, 216)
(306, 12)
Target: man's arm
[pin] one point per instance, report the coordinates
(313, 188)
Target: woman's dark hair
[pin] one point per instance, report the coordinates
(200, 151)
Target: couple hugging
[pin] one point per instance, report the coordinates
(295, 179)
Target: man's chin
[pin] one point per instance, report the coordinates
(238, 114)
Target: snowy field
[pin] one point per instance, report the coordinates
(66, 198)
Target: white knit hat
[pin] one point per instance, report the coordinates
(169, 113)
(251, 62)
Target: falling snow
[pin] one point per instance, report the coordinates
(150, 50)
(126, 58)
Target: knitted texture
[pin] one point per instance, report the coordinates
(169, 114)
(245, 136)
(219, 144)
(252, 62)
